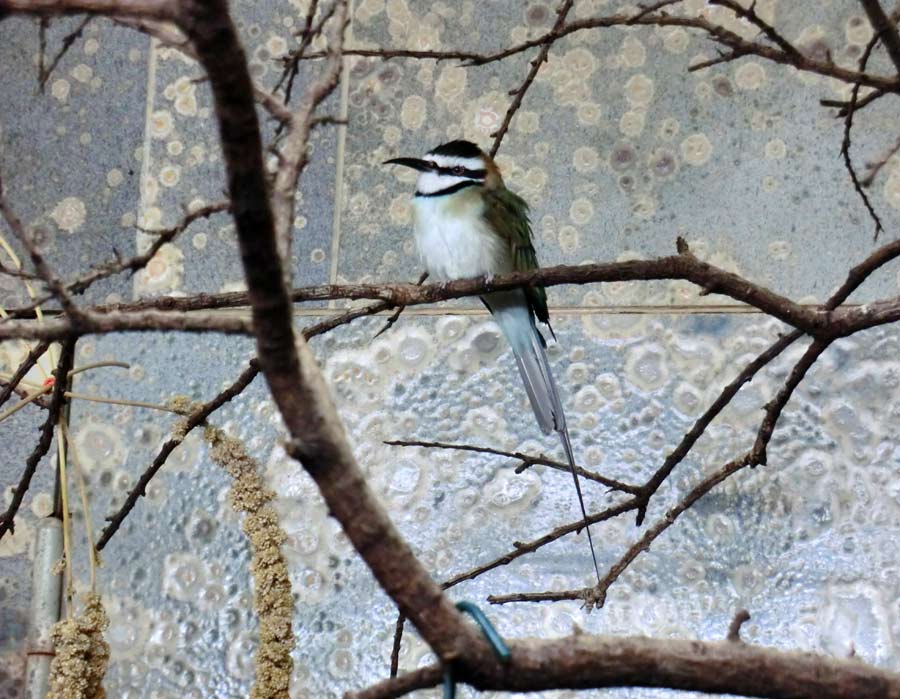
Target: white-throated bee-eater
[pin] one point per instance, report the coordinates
(468, 224)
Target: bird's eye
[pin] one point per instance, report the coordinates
(458, 170)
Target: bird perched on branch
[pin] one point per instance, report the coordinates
(468, 224)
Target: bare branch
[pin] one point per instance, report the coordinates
(845, 145)
(596, 596)
(201, 413)
(138, 262)
(294, 152)
(196, 417)
(524, 548)
(100, 323)
(734, 629)
(528, 460)
(297, 386)
(27, 364)
(712, 279)
(749, 13)
(718, 667)
(875, 167)
(37, 259)
(44, 73)
(57, 400)
(396, 314)
(519, 92)
(884, 29)
(736, 45)
(151, 9)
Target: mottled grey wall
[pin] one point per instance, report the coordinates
(619, 150)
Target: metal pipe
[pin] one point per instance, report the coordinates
(46, 598)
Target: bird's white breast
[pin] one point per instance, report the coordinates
(455, 241)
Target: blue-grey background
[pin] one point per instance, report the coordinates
(619, 149)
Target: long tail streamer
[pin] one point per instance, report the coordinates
(513, 314)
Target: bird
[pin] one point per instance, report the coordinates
(468, 224)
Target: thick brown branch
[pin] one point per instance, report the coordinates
(99, 323)
(717, 667)
(297, 386)
(682, 266)
(153, 9)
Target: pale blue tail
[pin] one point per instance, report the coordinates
(513, 314)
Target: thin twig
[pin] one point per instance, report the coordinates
(749, 13)
(197, 417)
(202, 413)
(596, 596)
(132, 264)
(521, 548)
(519, 92)
(527, 460)
(875, 168)
(396, 314)
(57, 400)
(734, 629)
(395, 649)
(69, 39)
(845, 145)
(27, 364)
(40, 264)
(310, 31)
(844, 105)
(884, 28)
(293, 154)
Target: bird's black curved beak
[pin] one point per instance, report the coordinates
(414, 163)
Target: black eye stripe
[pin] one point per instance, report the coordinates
(458, 171)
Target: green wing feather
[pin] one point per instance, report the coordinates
(507, 214)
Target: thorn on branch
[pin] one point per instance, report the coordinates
(396, 314)
(734, 630)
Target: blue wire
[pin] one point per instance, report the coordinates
(501, 650)
(449, 684)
